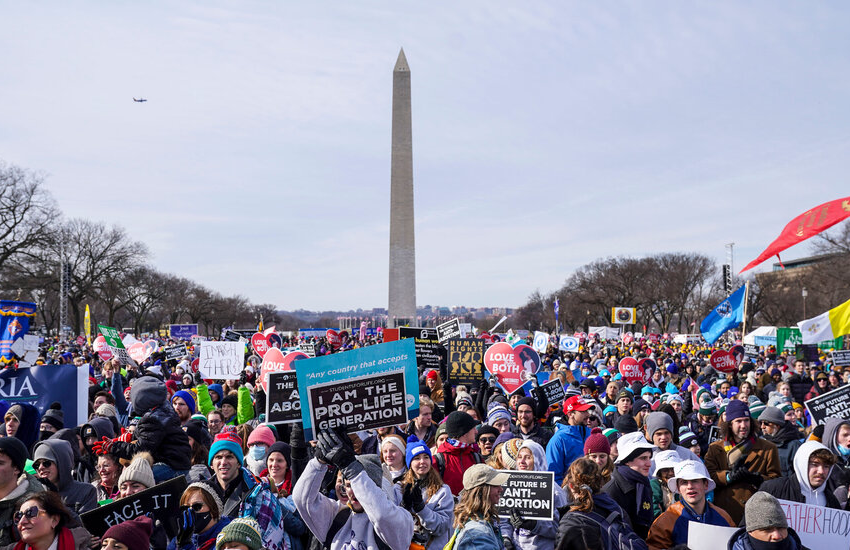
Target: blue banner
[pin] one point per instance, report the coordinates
(361, 364)
(182, 332)
(727, 315)
(40, 386)
(15, 320)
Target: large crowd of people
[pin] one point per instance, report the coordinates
(635, 464)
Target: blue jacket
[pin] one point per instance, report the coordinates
(565, 446)
(740, 541)
(671, 527)
(478, 535)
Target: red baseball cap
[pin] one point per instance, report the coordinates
(576, 403)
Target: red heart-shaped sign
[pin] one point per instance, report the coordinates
(333, 338)
(260, 343)
(273, 361)
(291, 357)
(508, 364)
(631, 370)
(101, 348)
(723, 361)
(138, 352)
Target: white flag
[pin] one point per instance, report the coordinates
(817, 329)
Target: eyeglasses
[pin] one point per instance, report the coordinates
(44, 462)
(30, 513)
(211, 422)
(196, 507)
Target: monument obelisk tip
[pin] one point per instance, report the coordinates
(401, 62)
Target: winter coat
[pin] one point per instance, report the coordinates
(410, 429)
(566, 445)
(800, 386)
(478, 535)
(572, 522)
(382, 516)
(544, 533)
(201, 541)
(538, 434)
(762, 458)
(435, 519)
(159, 433)
(457, 460)
(78, 497)
(702, 431)
(293, 526)
(787, 441)
(625, 493)
(26, 484)
(796, 486)
(83, 468)
(740, 541)
(671, 527)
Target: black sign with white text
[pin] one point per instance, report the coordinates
(530, 493)
(162, 500)
(832, 404)
(174, 353)
(554, 391)
(841, 358)
(373, 401)
(282, 403)
(427, 346)
(449, 329)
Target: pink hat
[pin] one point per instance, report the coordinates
(262, 434)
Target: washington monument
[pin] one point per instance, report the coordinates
(402, 306)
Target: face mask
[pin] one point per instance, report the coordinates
(201, 521)
(845, 451)
(257, 451)
(44, 434)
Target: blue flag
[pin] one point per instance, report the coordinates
(15, 320)
(725, 316)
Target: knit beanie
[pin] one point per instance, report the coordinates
(396, 441)
(210, 492)
(658, 421)
(54, 417)
(135, 534)
(762, 511)
(415, 447)
(107, 409)
(528, 401)
(611, 435)
(625, 394)
(485, 429)
(242, 530)
(15, 449)
(230, 399)
(226, 441)
(638, 405)
(15, 410)
(196, 431)
(187, 397)
(441, 429)
(626, 424)
(707, 408)
(687, 438)
(262, 435)
(283, 448)
(596, 442)
(510, 451)
(463, 398)
(497, 412)
(757, 410)
(737, 409)
(139, 470)
(459, 423)
(372, 465)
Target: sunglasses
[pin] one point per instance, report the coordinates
(196, 507)
(30, 513)
(487, 439)
(44, 462)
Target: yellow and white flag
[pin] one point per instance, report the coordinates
(827, 325)
(87, 325)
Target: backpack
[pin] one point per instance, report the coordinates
(441, 461)
(616, 535)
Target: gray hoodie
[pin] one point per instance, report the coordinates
(78, 497)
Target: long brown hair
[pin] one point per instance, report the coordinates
(432, 482)
(475, 504)
(583, 480)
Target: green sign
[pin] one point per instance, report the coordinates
(788, 338)
(113, 340)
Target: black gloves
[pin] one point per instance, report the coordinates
(519, 522)
(185, 526)
(411, 498)
(334, 447)
(197, 378)
(508, 543)
(741, 474)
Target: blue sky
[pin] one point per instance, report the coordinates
(546, 135)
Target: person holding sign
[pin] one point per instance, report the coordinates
(372, 514)
(477, 510)
(692, 483)
(426, 497)
(528, 533)
(766, 527)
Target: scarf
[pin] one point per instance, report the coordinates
(65, 542)
(643, 494)
(741, 450)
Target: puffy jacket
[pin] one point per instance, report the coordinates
(787, 441)
(78, 497)
(457, 460)
(671, 527)
(566, 445)
(740, 541)
(160, 434)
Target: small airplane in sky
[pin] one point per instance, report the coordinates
(140, 100)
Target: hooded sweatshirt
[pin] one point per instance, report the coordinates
(78, 497)
(801, 470)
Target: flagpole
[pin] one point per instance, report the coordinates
(746, 299)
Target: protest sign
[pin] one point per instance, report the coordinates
(702, 536)
(428, 347)
(162, 501)
(529, 493)
(196, 339)
(175, 353)
(465, 361)
(541, 341)
(101, 348)
(835, 403)
(182, 332)
(274, 340)
(807, 352)
(41, 385)
(282, 403)
(841, 358)
(308, 349)
(322, 377)
(818, 526)
(223, 360)
(751, 351)
(116, 345)
(465, 329)
(554, 391)
(713, 434)
(260, 343)
(448, 330)
(507, 364)
(333, 338)
(722, 361)
(568, 343)
(631, 370)
(231, 336)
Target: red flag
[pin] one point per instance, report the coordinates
(804, 226)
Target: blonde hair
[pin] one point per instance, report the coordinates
(474, 504)
(583, 480)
